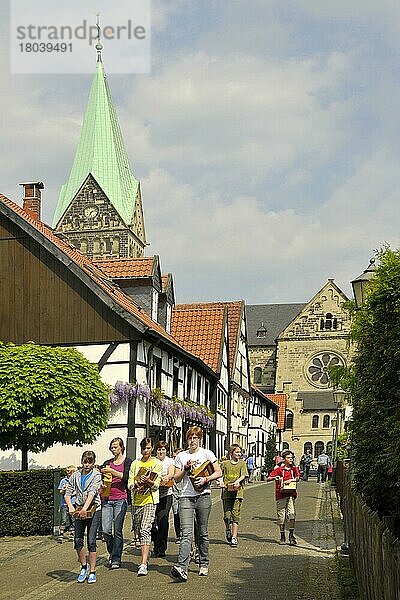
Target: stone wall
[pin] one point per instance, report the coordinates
(264, 358)
(93, 226)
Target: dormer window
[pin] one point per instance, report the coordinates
(262, 331)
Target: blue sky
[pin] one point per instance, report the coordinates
(266, 141)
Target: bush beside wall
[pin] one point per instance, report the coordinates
(26, 502)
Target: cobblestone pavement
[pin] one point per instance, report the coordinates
(40, 569)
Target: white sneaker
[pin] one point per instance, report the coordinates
(203, 571)
(234, 542)
(179, 573)
(142, 570)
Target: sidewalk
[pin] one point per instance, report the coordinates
(40, 569)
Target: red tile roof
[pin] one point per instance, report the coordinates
(120, 268)
(235, 310)
(281, 401)
(95, 273)
(200, 329)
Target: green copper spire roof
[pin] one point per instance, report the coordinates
(101, 152)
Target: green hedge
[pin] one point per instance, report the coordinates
(26, 502)
(375, 432)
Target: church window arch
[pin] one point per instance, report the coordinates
(328, 322)
(257, 374)
(326, 421)
(115, 245)
(289, 420)
(84, 246)
(315, 422)
(96, 245)
(308, 446)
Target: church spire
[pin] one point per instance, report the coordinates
(101, 153)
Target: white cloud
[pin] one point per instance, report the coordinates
(240, 117)
(386, 12)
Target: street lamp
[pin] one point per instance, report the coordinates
(339, 396)
(361, 283)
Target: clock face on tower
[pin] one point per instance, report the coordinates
(91, 211)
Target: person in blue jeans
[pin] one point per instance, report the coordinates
(115, 502)
(85, 485)
(251, 465)
(195, 500)
(67, 521)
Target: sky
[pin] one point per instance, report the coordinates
(265, 137)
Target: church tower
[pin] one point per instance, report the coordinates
(100, 207)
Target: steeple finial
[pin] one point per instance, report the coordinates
(99, 45)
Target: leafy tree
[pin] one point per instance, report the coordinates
(270, 453)
(375, 432)
(49, 395)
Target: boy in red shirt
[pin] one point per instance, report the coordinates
(285, 499)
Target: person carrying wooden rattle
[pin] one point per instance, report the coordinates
(286, 477)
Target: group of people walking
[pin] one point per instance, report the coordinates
(97, 497)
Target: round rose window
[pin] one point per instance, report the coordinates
(317, 370)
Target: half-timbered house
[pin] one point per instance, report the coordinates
(53, 294)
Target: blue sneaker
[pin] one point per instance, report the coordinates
(83, 574)
(91, 578)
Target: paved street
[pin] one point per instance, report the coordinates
(40, 569)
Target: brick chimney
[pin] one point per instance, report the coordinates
(32, 198)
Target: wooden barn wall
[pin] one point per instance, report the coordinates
(42, 301)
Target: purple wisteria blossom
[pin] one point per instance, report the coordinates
(171, 408)
(123, 392)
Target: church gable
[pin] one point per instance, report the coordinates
(324, 315)
(92, 225)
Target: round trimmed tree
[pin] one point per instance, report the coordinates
(49, 395)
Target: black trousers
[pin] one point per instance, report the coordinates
(159, 532)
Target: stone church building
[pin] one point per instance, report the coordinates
(99, 210)
(291, 348)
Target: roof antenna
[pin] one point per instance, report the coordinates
(99, 45)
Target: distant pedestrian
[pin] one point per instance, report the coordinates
(323, 462)
(234, 472)
(85, 484)
(251, 465)
(286, 499)
(305, 463)
(67, 520)
(115, 501)
(278, 460)
(144, 481)
(195, 500)
(159, 532)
